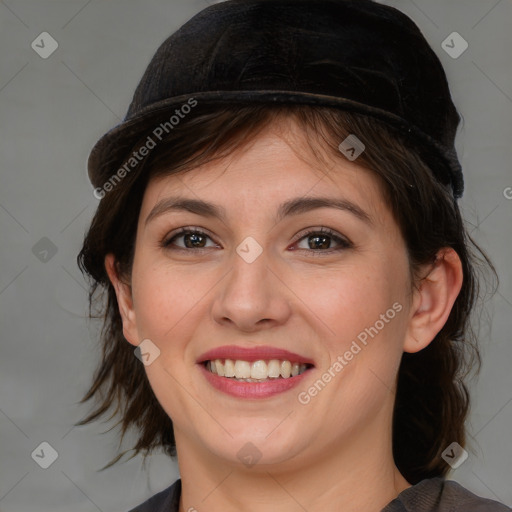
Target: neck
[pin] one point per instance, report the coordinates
(356, 474)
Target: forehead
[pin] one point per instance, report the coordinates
(273, 165)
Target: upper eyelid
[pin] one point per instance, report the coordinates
(186, 230)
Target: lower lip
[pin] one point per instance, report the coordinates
(251, 389)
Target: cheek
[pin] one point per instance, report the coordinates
(365, 352)
(353, 299)
(365, 311)
(164, 299)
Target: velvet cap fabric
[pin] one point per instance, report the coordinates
(356, 55)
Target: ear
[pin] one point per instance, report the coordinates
(433, 301)
(124, 300)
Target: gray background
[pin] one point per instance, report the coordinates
(53, 110)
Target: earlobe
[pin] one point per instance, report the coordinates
(124, 301)
(433, 300)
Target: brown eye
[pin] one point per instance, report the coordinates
(192, 239)
(319, 241)
(322, 241)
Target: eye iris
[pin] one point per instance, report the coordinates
(324, 245)
(193, 238)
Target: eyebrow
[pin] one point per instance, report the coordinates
(294, 206)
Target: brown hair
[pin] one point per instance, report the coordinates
(432, 401)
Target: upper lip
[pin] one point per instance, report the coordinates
(252, 354)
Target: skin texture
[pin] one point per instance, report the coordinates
(333, 453)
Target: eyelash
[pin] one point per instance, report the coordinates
(343, 243)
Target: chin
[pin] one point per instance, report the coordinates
(251, 446)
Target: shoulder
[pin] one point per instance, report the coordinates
(462, 499)
(165, 501)
(440, 495)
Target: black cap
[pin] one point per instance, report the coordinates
(356, 55)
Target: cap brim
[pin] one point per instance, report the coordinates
(113, 148)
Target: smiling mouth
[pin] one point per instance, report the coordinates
(256, 371)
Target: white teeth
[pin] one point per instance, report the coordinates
(242, 369)
(286, 369)
(220, 367)
(259, 370)
(229, 368)
(256, 371)
(274, 369)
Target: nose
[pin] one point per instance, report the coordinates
(252, 296)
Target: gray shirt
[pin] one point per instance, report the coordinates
(430, 495)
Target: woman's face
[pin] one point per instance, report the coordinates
(261, 283)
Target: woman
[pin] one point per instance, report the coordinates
(288, 276)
